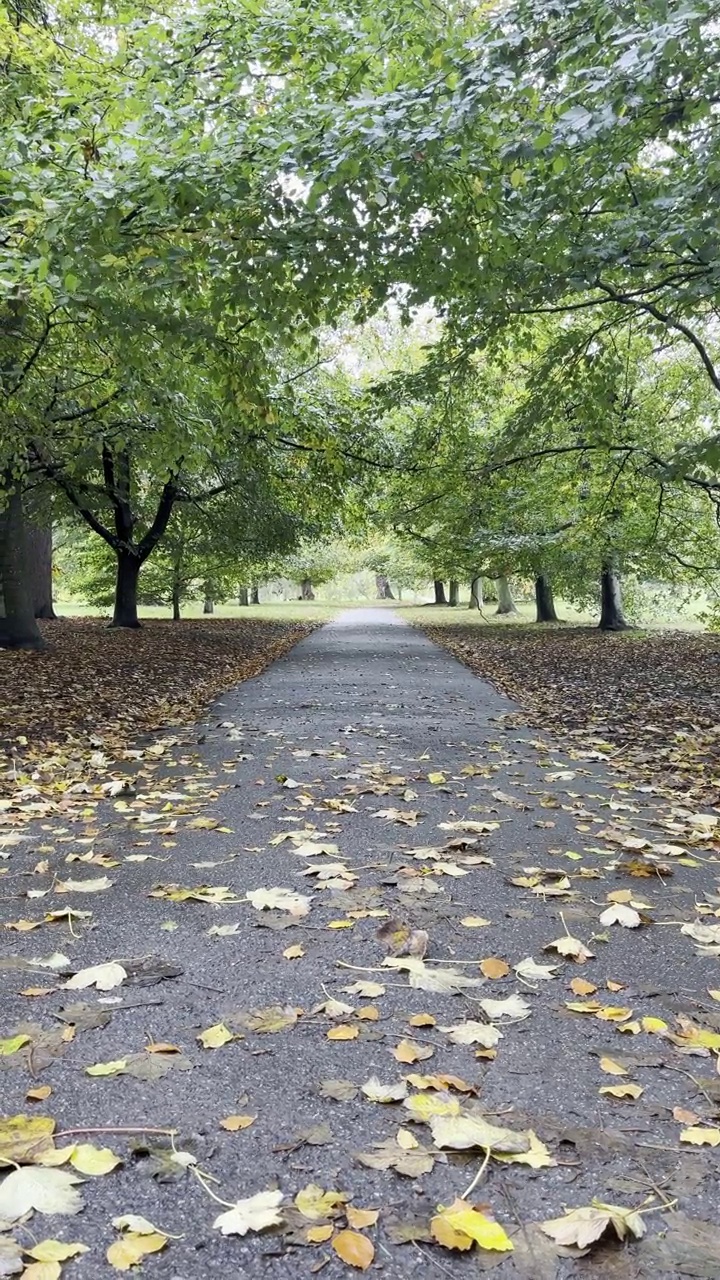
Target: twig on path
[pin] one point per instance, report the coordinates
(696, 1082)
(434, 1262)
(669, 1204)
(69, 1133)
(478, 1175)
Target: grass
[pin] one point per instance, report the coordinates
(275, 611)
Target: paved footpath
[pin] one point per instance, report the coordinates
(387, 737)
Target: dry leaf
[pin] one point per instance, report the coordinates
(46, 1190)
(582, 1227)
(343, 1032)
(462, 1133)
(235, 1123)
(102, 976)
(314, 1203)
(215, 1037)
(377, 1092)
(359, 1218)
(254, 1214)
(494, 968)
(355, 1249)
(633, 1091)
(466, 1223)
(572, 948)
(618, 913)
(409, 1052)
(279, 900)
(700, 1137)
(482, 1033)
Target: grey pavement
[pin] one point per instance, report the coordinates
(383, 708)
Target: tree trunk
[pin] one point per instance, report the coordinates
(306, 591)
(208, 605)
(176, 602)
(243, 598)
(18, 628)
(476, 593)
(454, 593)
(126, 590)
(439, 591)
(39, 544)
(612, 617)
(383, 588)
(506, 604)
(544, 602)
(399, 593)
(254, 593)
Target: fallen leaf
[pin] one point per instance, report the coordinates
(343, 1032)
(467, 1223)
(377, 1092)
(622, 1090)
(46, 1190)
(55, 1251)
(612, 1067)
(215, 1037)
(582, 1227)
(618, 913)
(462, 1133)
(408, 1051)
(359, 1218)
(699, 1137)
(102, 976)
(132, 1248)
(572, 948)
(354, 1249)
(314, 1203)
(253, 1214)
(494, 968)
(482, 1033)
(279, 900)
(234, 1123)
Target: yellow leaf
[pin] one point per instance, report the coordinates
(42, 1092)
(622, 1090)
(132, 1248)
(343, 1032)
(474, 922)
(406, 1140)
(43, 1271)
(424, 1105)
(494, 968)
(318, 1235)
(614, 1013)
(587, 1006)
(233, 1123)
(421, 1020)
(538, 1157)
(160, 1046)
(354, 1249)
(409, 1052)
(314, 1203)
(581, 987)
(632, 1028)
(94, 1161)
(24, 1138)
(447, 1235)
(55, 1251)
(358, 1218)
(612, 1067)
(368, 1014)
(341, 924)
(487, 1233)
(114, 1068)
(653, 1024)
(293, 953)
(701, 1137)
(12, 1045)
(436, 778)
(215, 1037)
(714, 994)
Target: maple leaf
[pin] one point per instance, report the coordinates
(256, 1213)
(102, 976)
(46, 1190)
(280, 900)
(582, 1227)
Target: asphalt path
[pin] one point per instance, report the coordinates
(355, 718)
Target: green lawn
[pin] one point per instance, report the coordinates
(279, 611)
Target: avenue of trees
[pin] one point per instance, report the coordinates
(433, 284)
